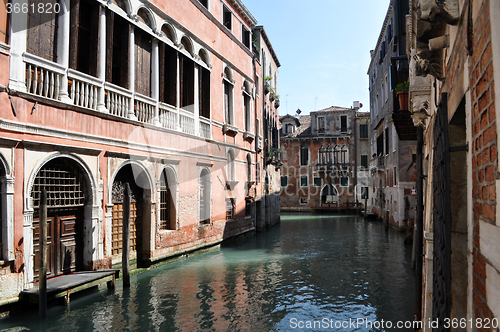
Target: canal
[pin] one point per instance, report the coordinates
(315, 272)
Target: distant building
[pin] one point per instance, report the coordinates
(320, 161)
(393, 139)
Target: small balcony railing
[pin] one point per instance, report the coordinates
(43, 77)
(186, 121)
(167, 116)
(83, 89)
(205, 130)
(117, 100)
(144, 108)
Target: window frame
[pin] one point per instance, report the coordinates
(304, 178)
(227, 17)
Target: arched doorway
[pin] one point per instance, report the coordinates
(204, 197)
(139, 188)
(67, 195)
(329, 194)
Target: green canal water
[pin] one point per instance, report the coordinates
(310, 273)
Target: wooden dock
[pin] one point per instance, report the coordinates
(62, 287)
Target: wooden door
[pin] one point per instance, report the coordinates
(64, 242)
(135, 227)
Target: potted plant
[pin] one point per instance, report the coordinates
(402, 92)
(277, 101)
(271, 94)
(267, 84)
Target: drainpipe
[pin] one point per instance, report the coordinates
(355, 157)
(419, 238)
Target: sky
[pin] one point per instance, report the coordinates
(323, 47)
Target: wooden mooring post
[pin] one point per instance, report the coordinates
(42, 273)
(126, 237)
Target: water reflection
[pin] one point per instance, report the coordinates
(309, 268)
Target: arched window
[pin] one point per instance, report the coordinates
(204, 196)
(249, 168)
(228, 96)
(329, 194)
(322, 155)
(247, 108)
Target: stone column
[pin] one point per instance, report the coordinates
(101, 61)
(155, 79)
(63, 31)
(131, 71)
(196, 100)
(18, 43)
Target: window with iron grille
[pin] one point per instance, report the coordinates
(167, 207)
(62, 182)
(230, 208)
(344, 181)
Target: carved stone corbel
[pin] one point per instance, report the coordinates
(420, 110)
(445, 10)
(430, 62)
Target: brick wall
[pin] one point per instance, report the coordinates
(483, 147)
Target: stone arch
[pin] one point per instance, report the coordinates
(71, 200)
(169, 32)
(228, 74)
(204, 56)
(124, 5)
(6, 211)
(329, 194)
(141, 185)
(187, 44)
(146, 16)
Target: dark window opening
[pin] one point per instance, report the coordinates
(168, 74)
(304, 156)
(228, 102)
(343, 123)
(245, 36)
(187, 82)
(117, 59)
(363, 131)
(204, 92)
(344, 181)
(364, 160)
(248, 120)
(143, 49)
(303, 181)
(317, 182)
(248, 206)
(386, 140)
(321, 124)
(204, 3)
(380, 145)
(84, 22)
(284, 181)
(227, 18)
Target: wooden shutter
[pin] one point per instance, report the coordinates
(143, 50)
(42, 28)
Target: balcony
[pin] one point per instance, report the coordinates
(377, 163)
(325, 167)
(46, 81)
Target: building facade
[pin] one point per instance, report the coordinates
(320, 159)
(98, 94)
(393, 134)
(454, 83)
(268, 157)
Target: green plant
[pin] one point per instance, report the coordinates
(271, 89)
(404, 86)
(277, 96)
(268, 78)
